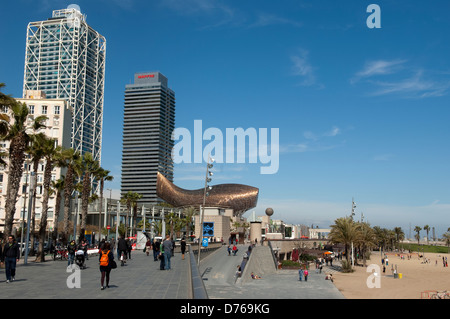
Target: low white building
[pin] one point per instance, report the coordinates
(59, 128)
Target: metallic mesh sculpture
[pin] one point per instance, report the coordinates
(236, 196)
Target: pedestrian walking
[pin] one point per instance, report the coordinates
(183, 247)
(10, 257)
(306, 274)
(106, 260)
(229, 250)
(148, 245)
(129, 248)
(155, 246)
(162, 264)
(173, 248)
(122, 250)
(168, 246)
(71, 249)
(300, 274)
(84, 247)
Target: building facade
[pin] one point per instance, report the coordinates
(58, 127)
(65, 58)
(149, 120)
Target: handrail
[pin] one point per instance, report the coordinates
(197, 285)
(273, 255)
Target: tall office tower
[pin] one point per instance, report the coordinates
(65, 58)
(149, 120)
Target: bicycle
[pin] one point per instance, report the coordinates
(441, 295)
(60, 253)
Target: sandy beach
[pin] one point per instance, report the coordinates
(417, 277)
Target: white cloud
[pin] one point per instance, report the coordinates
(334, 131)
(313, 142)
(378, 67)
(310, 135)
(303, 69)
(415, 86)
(409, 82)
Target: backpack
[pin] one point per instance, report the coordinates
(104, 260)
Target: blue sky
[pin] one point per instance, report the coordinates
(362, 113)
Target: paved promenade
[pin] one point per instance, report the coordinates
(219, 270)
(140, 278)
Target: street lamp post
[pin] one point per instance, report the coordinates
(24, 206)
(209, 165)
(117, 220)
(30, 203)
(108, 210)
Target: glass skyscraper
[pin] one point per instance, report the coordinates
(149, 120)
(65, 58)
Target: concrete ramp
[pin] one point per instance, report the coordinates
(260, 263)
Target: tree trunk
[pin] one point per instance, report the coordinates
(43, 225)
(33, 211)
(100, 212)
(56, 215)
(84, 204)
(16, 160)
(68, 189)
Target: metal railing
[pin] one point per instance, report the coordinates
(198, 290)
(273, 255)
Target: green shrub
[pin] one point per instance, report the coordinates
(290, 263)
(306, 257)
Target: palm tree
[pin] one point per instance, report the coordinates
(72, 160)
(391, 238)
(57, 186)
(344, 231)
(130, 199)
(102, 175)
(16, 133)
(157, 226)
(417, 229)
(380, 237)
(399, 234)
(89, 167)
(171, 219)
(50, 151)
(36, 150)
(189, 212)
(366, 239)
(427, 229)
(447, 239)
(178, 226)
(136, 198)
